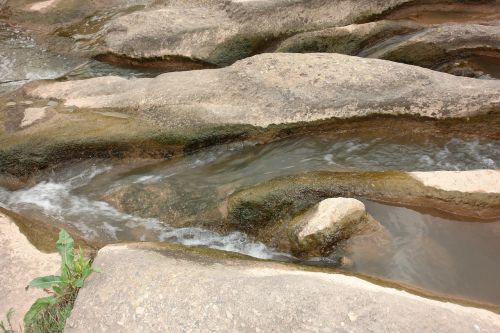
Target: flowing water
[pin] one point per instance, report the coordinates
(23, 60)
(166, 199)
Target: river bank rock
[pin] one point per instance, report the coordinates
(221, 32)
(438, 47)
(351, 39)
(283, 88)
(330, 221)
(21, 262)
(190, 110)
(440, 44)
(439, 12)
(406, 42)
(473, 181)
(174, 289)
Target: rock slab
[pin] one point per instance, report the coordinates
(472, 181)
(20, 263)
(157, 288)
(284, 88)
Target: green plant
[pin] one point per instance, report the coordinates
(49, 314)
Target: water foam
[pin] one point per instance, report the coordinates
(97, 219)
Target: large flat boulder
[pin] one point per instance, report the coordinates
(284, 88)
(118, 117)
(221, 32)
(161, 288)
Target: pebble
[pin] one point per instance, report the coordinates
(11, 104)
(26, 102)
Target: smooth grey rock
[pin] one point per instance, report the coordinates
(160, 288)
(284, 88)
(472, 181)
(331, 216)
(318, 230)
(221, 32)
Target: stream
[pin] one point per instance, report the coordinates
(177, 200)
(165, 201)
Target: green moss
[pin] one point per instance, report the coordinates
(243, 46)
(279, 200)
(44, 235)
(87, 134)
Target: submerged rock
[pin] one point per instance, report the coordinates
(172, 285)
(332, 220)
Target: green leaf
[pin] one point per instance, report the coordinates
(40, 305)
(79, 282)
(65, 247)
(45, 282)
(58, 290)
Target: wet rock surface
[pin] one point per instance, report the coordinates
(265, 204)
(351, 39)
(439, 44)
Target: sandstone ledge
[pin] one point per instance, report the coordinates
(473, 181)
(147, 287)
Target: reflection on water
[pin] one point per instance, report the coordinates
(457, 258)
